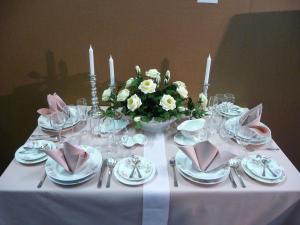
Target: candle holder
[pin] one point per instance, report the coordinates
(95, 111)
(205, 89)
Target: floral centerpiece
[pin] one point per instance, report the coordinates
(152, 98)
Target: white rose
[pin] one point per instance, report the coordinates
(106, 94)
(179, 84)
(181, 109)
(123, 95)
(137, 119)
(167, 102)
(137, 69)
(167, 76)
(182, 91)
(129, 82)
(147, 86)
(203, 100)
(134, 102)
(153, 73)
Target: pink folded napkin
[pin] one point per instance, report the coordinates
(205, 156)
(252, 118)
(55, 103)
(70, 157)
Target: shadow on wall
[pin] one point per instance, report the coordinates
(18, 112)
(259, 61)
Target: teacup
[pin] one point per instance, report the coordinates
(191, 128)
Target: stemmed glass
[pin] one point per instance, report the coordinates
(57, 121)
(229, 101)
(82, 109)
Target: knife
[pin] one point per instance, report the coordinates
(102, 171)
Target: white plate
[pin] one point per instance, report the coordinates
(256, 166)
(34, 157)
(133, 183)
(44, 122)
(125, 167)
(57, 172)
(212, 182)
(184, 164)
(70, 183)
(183, 140)
(253, 176)
(234, 111)
(256, 140)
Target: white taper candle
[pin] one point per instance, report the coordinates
(91, 57)
(207, 70)
(111, 71)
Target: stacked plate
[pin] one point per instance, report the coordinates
(29, 153)
(44, 121)
(186, 169)
(124, 168)
(229, 110)
(59, 175)
(254, 167)
(244, 134)
(111, 126)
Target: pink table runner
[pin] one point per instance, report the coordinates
(22, 203)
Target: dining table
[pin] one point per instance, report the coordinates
(158, 202)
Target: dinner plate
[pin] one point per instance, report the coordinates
(33, 157)
(253, 176)
(232, 112)
(57, 172)
(44, 121)
(184, 165)
(251, 137)
(125, 167)
(183, 140)
(133, 183)
(203, 182)
(75, 182)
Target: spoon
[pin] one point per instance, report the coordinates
(110, 163)
(234, 163)
(135, 161)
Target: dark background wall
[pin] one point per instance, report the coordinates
(254, 45)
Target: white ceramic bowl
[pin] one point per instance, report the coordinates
(191, 127)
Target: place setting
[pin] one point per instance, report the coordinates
(203, 163)
(72, 164)
(247, 130)
(31, 152)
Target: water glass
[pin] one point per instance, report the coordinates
(58, 120)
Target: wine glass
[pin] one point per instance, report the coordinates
(57, 121)
(229, 101)
(82, 109)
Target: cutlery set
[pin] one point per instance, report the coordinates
(110, 164)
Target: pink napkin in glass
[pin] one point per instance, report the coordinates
(205, 156)
(252, 118)
(55, 103)
(70, 157)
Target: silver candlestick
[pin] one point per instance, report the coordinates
(95, 111)
(205, 89)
